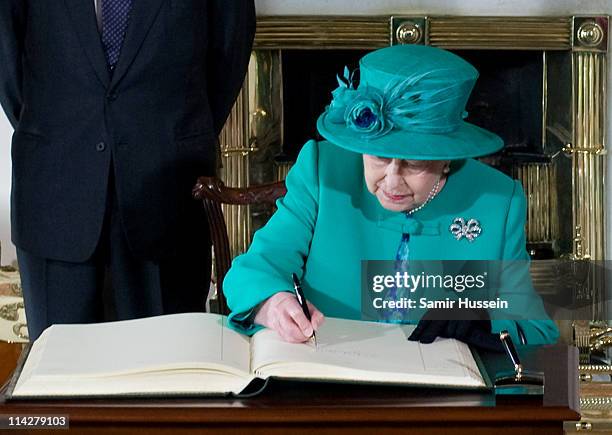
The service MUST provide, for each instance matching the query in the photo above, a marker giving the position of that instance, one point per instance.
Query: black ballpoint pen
(299, 294)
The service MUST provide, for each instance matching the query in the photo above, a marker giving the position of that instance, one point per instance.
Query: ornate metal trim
(591, 33)
(505, 33)
(235, 172)
(588, 153)
(328, 32)
(596, 409)
(408, 30)
(539, 181)
(333, 32)
(594, 369)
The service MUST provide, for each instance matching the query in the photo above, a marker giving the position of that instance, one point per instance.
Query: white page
(143, 344)
(373, 347)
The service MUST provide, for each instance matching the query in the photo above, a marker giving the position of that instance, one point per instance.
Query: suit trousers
(115, 285)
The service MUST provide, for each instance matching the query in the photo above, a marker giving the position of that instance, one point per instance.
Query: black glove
(470, 326)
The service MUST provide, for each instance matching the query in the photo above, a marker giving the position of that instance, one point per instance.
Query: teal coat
(328, 222)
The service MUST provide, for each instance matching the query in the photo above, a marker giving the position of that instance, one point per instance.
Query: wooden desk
(298, 408)
(9, 354)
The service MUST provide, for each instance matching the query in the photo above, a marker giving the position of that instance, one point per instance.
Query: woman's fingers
(283, 313)
(294, 310)
(293, 324)
(290, 331)
(316, 316)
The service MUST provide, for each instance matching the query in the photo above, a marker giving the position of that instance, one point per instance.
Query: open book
(197, 353)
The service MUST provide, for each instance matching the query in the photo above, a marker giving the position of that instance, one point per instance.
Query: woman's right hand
(283, 313)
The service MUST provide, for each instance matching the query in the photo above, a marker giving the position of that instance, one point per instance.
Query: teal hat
(410, 104)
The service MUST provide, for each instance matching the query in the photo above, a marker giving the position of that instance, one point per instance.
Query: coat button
(111, 97)
(100, 147)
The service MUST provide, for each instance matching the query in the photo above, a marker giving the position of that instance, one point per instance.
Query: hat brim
(467, 141)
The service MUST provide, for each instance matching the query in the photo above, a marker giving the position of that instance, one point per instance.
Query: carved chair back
(212, 192)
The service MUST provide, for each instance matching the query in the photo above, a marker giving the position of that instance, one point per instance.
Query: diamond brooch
(470, 229)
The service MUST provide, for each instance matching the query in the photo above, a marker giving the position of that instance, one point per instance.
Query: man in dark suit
(116, 105)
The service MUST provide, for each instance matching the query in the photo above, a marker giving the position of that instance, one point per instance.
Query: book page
(366, 351)
(178, 341)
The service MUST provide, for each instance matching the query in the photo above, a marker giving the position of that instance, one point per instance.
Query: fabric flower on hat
(405, 104)
(366, 114)
(342, 96)
(361, 109)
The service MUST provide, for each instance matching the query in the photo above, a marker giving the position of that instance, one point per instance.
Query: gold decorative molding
(588, 154)
(587, 151)
(594, 369)
(570, 149)
(235, 148)
(408, 30)
(326, 32)
(501, 33)
(539, 181)
(591, 33)
(266, 106)
(409, 33)
(335, 32)
(596, 403)
(577, 426)
(596, 406)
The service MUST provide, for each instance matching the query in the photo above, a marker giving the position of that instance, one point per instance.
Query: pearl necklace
(432, 193)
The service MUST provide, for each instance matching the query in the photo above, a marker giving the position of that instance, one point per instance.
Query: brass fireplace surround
(566, 197)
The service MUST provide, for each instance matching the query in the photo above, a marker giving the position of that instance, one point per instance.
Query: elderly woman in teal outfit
(395, 179)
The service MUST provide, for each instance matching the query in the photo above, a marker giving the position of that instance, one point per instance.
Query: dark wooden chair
(212, 192)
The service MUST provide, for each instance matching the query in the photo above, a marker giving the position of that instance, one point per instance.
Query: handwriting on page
(345, 352)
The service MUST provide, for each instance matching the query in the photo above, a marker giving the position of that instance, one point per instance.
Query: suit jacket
(154, 121)
(328, 222)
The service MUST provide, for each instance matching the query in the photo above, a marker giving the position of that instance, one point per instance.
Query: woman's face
(401, 185)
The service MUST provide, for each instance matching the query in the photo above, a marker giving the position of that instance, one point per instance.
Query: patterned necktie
(115, 17)
(399, 315)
